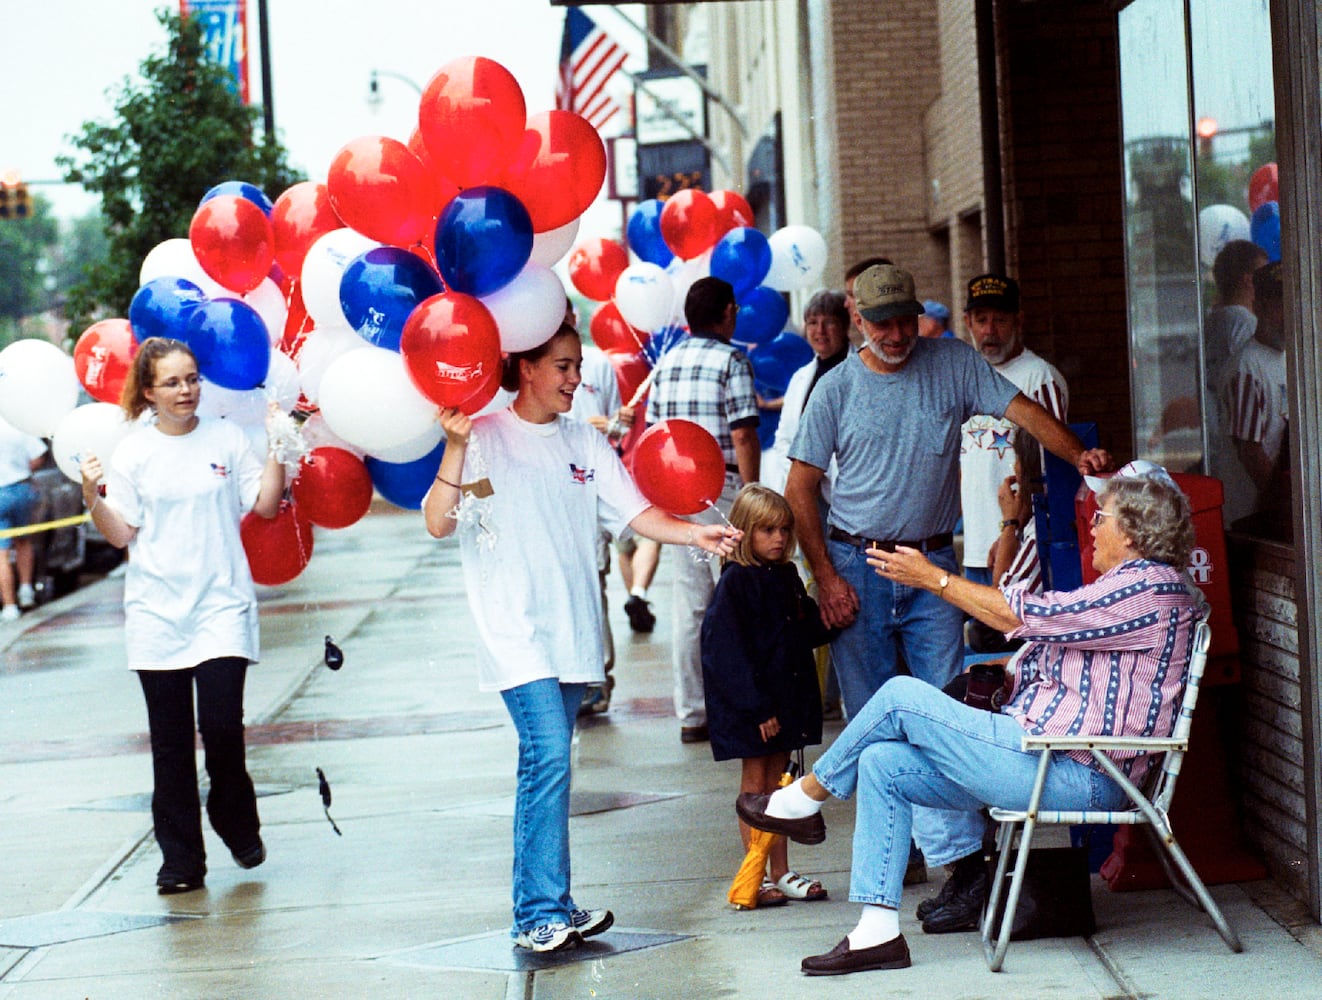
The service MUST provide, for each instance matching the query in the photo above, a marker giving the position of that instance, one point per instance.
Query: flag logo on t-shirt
(220, 470)
(581, 476)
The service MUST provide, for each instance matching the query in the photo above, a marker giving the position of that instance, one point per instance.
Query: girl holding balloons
(527, 490)
(176, 490)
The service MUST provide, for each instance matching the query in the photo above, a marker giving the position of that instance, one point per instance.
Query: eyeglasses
(1098, 514)
(175, 384)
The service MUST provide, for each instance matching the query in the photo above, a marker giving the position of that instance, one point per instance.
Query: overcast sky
(60, 58)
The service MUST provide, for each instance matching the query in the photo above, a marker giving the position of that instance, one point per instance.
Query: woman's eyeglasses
(1098, 514)
(175, 384)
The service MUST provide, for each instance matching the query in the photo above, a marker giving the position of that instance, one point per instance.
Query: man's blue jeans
(543, 712)
(913, 745)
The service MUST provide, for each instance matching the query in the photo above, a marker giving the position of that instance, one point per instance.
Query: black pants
(175, 807)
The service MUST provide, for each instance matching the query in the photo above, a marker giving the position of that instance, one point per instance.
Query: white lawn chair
(1152, 813)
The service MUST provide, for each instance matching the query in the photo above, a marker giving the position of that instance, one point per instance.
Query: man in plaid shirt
(707, 381)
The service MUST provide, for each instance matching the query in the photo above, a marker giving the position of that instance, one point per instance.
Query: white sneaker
(26, 596)
(549, 937)
(10, 613)
(591, 922)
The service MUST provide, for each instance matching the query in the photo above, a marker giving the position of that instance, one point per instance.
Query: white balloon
(323, 345)
(257, 438)
(645, 296)
(798, 258)
(244, 407)
(1217, 226)
(529, 309)
(324, 266)
(38, 386)
(93, 429)
(282, 381)
(410, 451)
(369, 400)
(683, 273)
(317, 435)
(499, 401)
(269, 303)
(174, 258)
(550, 246)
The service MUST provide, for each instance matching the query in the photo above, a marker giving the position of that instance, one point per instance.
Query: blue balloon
(661, 341)
(244, 190)
(483, 239)
(405, 483)
(1265, 229)
(644, 234)
(763, 313)
(743, 258)
(161, 308)
(380, 288)
(774, 363)
(231, 344)
(767, 422)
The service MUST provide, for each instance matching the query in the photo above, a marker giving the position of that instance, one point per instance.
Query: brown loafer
(752, 809)
(842, 960)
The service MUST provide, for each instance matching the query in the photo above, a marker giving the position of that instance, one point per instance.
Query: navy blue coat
(758, 638)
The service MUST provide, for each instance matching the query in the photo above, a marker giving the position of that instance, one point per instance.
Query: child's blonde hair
(759, 506)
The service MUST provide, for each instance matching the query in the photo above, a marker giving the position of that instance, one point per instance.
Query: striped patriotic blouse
(1107, 659)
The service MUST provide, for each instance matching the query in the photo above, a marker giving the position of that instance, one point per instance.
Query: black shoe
(167, 885)
(752, 809)
(252, 857)
(962, 911)
(929, 906)
(640, 614)
(693, 734)
(842, 959)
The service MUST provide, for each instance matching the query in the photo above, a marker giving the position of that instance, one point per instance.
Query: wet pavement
(411, 899)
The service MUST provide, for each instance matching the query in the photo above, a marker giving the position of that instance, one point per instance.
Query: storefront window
(1199, 159)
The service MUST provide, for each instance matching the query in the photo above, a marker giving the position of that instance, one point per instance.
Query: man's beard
(888, 358)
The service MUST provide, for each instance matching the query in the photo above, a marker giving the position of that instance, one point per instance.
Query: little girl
(760, 678)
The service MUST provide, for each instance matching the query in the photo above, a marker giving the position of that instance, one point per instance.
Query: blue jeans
(891, 618)
(979, 574)
(543, 712)
(913, 745)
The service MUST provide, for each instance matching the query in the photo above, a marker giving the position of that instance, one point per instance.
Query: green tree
(25, 253)
(178, 131)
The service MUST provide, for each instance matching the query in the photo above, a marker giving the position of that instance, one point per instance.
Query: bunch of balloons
(370, 299)
(1219, 224)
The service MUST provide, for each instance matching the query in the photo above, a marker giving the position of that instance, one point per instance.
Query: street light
(374, 86)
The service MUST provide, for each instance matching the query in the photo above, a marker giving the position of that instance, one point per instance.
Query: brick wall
(1060, 121)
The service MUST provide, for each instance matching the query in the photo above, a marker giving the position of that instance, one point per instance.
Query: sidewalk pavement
(412, 900)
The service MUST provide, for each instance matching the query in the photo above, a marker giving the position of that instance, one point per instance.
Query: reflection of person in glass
(1229, 326)
(1259, 422)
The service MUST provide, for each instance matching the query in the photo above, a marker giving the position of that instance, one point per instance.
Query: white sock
(639, 592)
(876, 925)
(792, 802)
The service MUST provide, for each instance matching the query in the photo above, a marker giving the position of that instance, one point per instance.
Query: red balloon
(450, 347)
(279, 549)
(689, 223)
(595, 266)
(1264, 186)
(297, 322)
(611, 332)
(679, 466)
(732, 211)
(382, 190)
(102, 358)
(333, 488)
(483, 396)
(299, 217)
(558, 170)
(233, 241)
(471, 117)
(446, 189)
(630, 372)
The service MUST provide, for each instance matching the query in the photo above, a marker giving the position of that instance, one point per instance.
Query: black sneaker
(640, 614)
(962, 911)
(929, 906)
(252, 857)
(169, 885)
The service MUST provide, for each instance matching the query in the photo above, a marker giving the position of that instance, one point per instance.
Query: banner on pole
(225, 36)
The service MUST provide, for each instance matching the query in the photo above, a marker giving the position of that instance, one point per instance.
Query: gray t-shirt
(896, 437)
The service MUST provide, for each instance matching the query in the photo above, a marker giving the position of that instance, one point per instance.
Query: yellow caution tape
(33, 529)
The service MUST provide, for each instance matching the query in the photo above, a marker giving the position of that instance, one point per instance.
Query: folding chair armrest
(1145, 743)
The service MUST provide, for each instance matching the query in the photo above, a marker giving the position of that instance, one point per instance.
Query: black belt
(941, 541)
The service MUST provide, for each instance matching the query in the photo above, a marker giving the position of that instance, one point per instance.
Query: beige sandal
(769, 894)
(795, 886)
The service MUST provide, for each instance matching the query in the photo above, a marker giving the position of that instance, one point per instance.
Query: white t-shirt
(598, 395)
(530, 549)
(1258, 401)
(986, 453)
(17, 450)
(188, 592)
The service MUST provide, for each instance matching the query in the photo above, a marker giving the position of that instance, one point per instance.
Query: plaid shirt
(1108, 659)
(704, 379)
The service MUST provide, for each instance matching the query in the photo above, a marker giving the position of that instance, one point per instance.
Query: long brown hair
(142, 373)
(759, 506)
(509, 376)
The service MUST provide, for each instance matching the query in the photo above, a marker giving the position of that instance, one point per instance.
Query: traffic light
(14, 203)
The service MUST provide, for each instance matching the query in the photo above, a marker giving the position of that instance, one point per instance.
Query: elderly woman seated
(1109, 658)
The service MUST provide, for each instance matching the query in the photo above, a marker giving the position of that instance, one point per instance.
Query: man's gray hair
(1155, 516)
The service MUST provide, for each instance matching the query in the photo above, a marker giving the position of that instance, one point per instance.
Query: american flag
(588, 59)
